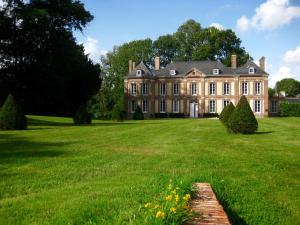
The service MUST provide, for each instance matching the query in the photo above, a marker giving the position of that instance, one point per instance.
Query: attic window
(172, 72)
(216, 71)
(139, 73)
(251, 70)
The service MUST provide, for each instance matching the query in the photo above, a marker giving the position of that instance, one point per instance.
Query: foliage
(289, 109)
(176, 115)
(226, 113)
(82, 116)
(118, 113)
(210, 115)
(290, 86)
(12, 116)
(172, 206)
(242, 119)
(271, 92)
(138, 114)
(160, 115)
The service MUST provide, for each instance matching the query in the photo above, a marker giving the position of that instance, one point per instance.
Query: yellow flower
(170, 187)
(187, 197)
(173, 210)
(177, 198)
(160, 214)
(147, 205)
(168, 197)
(156, 206)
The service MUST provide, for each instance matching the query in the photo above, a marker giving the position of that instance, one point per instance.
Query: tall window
(133, 106)
(212, 106)
(163, 88)
(212, 88)
(226, 88)
(274, 106)
(226, 103)
(162, 106)
(257, 106)
(194, 88)
(176, 89)
(244, 88)
(145, 89)
(176, 106)
(145, 106)
(133, 89)
(257, 87)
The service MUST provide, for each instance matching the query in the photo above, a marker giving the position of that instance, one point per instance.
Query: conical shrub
(226, 113)
(12, 116)
(138, 114)
(242, 120)
(82, 116)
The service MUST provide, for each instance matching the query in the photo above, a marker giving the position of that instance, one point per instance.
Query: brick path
(206, 204)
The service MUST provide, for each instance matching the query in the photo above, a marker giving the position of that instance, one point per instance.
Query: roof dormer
(172, 72)
(216, 71)
(251, 70)
(138, 73)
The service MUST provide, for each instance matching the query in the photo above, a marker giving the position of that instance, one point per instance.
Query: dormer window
(216, 71)
(139, 73)
(172, 72)
(251, 70)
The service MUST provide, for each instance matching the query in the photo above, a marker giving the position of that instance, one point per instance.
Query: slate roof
(183, 67)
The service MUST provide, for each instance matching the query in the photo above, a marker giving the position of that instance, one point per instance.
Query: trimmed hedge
(82, 116)
(176, 115)
(226, 113)
(242, 120)
(138, 114)
(160, 115)
(12, 116)
(210, 115)
(289, 109)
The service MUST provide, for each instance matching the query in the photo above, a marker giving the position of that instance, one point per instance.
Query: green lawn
(57, 173)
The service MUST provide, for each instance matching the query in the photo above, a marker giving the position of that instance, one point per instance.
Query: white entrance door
(194, 110)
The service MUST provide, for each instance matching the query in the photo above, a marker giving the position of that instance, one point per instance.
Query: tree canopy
(290, 86)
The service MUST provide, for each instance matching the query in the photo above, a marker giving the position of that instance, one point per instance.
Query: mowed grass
(57, 173)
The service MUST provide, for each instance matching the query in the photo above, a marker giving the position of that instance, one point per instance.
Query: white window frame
(163, 88)
(226, 88)
(145, 106)
(138, 73)
(194, 88)
(133, 89)
(257, 106)
(145, 89)
(175, 106)
(133, 106)
(172, 72)
(212, 88)
(251, 70)
(176, 88)
(257, 88)
(216, 71)
(162, 106)
(244, 88)
(226, 102)
(274, 106)
(212, 106)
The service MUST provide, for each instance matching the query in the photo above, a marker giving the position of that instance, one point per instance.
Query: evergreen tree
(138, 114)
(226, 113)
(242, 120)
(12, 116)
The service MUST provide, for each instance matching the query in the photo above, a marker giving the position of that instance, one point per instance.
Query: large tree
(290, 86)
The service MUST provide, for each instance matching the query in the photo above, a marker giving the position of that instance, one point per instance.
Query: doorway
(194, 108)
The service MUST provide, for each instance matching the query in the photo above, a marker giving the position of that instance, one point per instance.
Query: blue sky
(269, 28)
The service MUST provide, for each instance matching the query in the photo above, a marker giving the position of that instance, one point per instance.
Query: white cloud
(217, 25)
(283, 72)
(92, 48)
(292, 56)
(270, 15)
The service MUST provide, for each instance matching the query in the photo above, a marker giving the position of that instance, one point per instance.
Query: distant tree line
(290, 86)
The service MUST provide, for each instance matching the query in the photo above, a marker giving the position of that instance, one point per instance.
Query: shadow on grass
(264, 132)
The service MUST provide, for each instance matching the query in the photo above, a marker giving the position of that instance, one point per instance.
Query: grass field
(57, 173)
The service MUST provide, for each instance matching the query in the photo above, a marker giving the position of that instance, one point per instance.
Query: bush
(226, 113)
(12, 116)
(242, 120)
(118, 114)
(210, 115)
(176, 115)
(138, 114)
(289, 109)
(160, 115)
(82, 116)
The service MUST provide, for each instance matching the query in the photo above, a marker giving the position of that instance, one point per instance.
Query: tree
(12, 116)
(226, 113)
(242, 120)
(271, 92)
(82, 116)
(290, 86)
(166, 47)
(138, 114)
(118, 113)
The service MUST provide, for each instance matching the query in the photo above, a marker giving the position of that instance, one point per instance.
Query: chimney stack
(157, 63)
(130, 66)
(233, 61)
(262, 63)
(133, 65)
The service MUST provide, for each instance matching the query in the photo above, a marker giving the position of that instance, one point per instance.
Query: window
(133, 89)
(172, 72)
(138, 73)
(133, 106)
(226, 88)
(145, 88)
(212, 106)
(274, 106)
(244, 88)
(251, 70)
(257, 106)
(212, 88)
(162, 106)
(175, 106)
(163, 88)
(194, 89)
(175, 89)
(257, 87)
(226, 103)
(145, 106)
(215, 71)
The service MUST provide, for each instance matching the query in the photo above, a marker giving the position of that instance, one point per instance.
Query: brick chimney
(133, 65)
(130, 66)
(233, 61)
(157, 63)
(262, 63)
